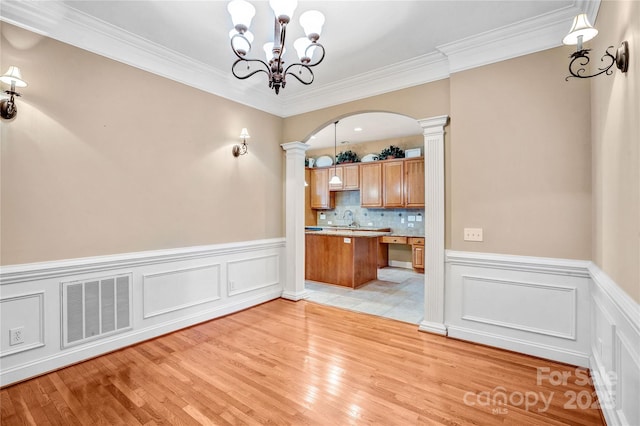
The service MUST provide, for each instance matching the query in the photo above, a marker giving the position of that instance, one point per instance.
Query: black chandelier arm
(581, 59)
(244, 77)
(305, 66)
(306, 80)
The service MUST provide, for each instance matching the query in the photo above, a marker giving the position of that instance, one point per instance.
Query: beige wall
(371, 147)
(104, 158)
(615, 119)
(517, 151)
(520, 160)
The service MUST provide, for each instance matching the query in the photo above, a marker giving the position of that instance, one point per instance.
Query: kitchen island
(344, 257)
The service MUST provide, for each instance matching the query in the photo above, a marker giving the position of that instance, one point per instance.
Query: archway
(433, 134)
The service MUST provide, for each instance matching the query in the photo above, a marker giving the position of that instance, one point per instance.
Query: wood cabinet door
(351, 177)
(393, 183)
(320, 196)
(414, 182)
(418, 257)
(371, 185)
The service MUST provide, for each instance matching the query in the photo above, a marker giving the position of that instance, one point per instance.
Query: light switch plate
(473, 234)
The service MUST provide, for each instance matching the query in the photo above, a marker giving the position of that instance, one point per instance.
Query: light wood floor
(302, 363)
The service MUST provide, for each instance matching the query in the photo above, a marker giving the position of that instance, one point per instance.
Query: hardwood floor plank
(303, 364)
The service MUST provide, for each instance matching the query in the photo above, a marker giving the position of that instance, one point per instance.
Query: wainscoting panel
(24, 312)
(615, 349)
(531, 305)
(169, 290)
(246, 275)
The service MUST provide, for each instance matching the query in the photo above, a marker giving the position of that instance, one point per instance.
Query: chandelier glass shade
(310, 52)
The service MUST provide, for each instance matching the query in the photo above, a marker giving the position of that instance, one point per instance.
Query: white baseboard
(170, 290)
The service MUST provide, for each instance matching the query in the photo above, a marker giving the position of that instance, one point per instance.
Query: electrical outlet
(16, 336)
(473, 234)
(329, 222)
(410, 225)
(411, 218)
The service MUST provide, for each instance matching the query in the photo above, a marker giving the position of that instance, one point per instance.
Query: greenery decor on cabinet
(347, 157)
(391, 152)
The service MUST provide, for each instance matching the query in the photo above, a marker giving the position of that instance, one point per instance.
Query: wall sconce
(13, 77)
(239, 150)
(581, 32)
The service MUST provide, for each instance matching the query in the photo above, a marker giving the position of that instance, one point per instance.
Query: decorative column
(294, 220)
(433, 131)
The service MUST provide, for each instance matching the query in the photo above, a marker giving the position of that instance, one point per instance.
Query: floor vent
(95, 308)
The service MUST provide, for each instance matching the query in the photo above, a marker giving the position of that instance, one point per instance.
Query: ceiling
(372, 47)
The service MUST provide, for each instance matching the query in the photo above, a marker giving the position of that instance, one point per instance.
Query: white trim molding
(433, 131)
(615, 349)
(62, 22)
(538, 306)
(559, 309)
(294, 219)
(170, 289)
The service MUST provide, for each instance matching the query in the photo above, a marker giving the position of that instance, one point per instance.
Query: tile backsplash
(396, 219)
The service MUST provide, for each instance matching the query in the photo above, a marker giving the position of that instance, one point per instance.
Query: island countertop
(338, 231)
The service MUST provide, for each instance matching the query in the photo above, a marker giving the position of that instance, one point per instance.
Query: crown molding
(68, 25)
(61, 22)
(413, 72)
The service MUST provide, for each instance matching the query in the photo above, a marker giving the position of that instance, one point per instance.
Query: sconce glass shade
(335, 180)
(580, 27)
(283, 9)
(13, 76)
(244, 134)
(242, 12)
(312, 22)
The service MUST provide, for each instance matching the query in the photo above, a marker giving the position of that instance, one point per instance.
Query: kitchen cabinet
(393, 183)
(320, 196)
(417, 248)
(414, 182)
(349, 175)
(371, 184)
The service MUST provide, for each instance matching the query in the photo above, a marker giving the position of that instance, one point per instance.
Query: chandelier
(242, 12)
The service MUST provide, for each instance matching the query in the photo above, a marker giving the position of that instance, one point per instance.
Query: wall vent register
(96, 308)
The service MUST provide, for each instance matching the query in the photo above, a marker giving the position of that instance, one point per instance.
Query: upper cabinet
(395, 183)
(320, 197)
(349, 175)
(414, 182)
(371, 184)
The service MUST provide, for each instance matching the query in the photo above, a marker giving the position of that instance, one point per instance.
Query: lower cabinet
(417, 249)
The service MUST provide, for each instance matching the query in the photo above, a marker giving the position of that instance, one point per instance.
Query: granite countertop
(343, 231)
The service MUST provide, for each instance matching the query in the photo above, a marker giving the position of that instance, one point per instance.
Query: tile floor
(398, 293)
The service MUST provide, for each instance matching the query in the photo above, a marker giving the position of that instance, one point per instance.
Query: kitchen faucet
(350, 220)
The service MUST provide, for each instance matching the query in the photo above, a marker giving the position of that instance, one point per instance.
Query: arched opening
(395, 288)
(432, 131)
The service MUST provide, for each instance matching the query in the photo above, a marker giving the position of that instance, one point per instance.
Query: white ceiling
(372, 46)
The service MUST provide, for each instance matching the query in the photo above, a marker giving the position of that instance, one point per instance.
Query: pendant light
(335, 180)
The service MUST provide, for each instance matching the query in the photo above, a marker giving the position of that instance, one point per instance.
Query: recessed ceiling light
(357, 129)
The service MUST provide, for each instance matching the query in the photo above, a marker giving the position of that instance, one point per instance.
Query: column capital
(295, 146)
